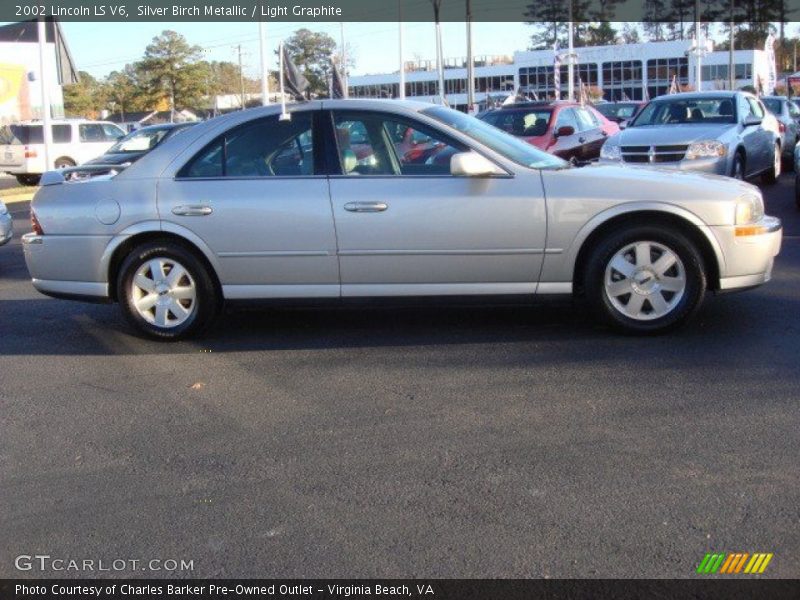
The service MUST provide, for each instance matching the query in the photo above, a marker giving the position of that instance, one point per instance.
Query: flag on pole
(772, 70)
(646, 94)
(673, 87)
(292, 80)
(337, 86)
(625, 97)
(581, 93)
(557, 71)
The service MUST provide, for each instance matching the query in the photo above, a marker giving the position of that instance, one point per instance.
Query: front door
(258, 199)
(406, 226)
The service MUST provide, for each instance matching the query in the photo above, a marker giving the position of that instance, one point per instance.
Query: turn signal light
(36, 226)
(744, 230)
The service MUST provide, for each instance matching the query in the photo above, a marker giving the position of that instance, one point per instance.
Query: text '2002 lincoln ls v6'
(338, 202)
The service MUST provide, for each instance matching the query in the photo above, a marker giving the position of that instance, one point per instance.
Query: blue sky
(103, 47)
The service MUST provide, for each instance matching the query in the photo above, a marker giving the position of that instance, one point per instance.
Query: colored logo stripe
(733, 562)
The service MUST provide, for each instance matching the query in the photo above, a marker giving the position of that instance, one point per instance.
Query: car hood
(658, 135)
(115, 159)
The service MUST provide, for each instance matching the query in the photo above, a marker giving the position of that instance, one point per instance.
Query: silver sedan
(6, 225)
(726, 133)
(336, 200)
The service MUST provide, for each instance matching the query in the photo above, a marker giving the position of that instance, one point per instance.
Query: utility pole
(264, 71)
(571, 58)
(470, 62)
(731, 64)
(47, 129)
(241, 72)
(437, 4)
(402, 85)
(344, 62)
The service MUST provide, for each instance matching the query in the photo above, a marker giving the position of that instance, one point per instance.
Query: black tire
(204, 306)
(64, 162)
(771, 175)
(797, 190)
(28, 179)
(684, 306)
(737, 169)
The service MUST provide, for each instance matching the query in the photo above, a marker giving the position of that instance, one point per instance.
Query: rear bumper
(6, 229)
(749, 258)
(58, 266)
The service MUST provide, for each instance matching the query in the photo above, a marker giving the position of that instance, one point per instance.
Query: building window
(662, 70)
(622, 80)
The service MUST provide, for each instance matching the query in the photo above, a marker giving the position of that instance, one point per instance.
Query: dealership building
(621, 71)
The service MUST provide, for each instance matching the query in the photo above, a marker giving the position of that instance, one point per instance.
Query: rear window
(33, 134)
(773, 105)
(528, 123)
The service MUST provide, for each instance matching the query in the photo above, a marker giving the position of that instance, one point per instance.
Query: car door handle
(192, 210)
(582, 140)
(366, 206)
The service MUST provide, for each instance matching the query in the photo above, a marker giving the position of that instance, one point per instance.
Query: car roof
(161, 126)
(700, 95)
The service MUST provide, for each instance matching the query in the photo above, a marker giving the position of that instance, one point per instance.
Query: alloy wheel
(645, 280)
(163, 292)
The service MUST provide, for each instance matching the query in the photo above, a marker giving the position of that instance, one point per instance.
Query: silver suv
(727, 133)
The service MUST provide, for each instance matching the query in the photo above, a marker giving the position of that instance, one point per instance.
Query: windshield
(142, 140)
(619, 111)
(687, 111)
(525, 123)
(773, 105)
(501, 142)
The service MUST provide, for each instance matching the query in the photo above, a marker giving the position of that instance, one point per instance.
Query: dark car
(620, 111)
(567, 129)
(138, 143)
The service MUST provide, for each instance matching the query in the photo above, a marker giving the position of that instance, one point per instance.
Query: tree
(313, 52)
(123, 90)
(85, 98)
(630, 34)
(170, 70)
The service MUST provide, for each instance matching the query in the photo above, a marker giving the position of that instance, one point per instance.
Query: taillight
(29, 153)
(781, 127)
(36, 227)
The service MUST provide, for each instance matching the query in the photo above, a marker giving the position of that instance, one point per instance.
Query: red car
(567, 129)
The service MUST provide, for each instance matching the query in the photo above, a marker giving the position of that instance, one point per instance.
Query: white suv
(74, 142)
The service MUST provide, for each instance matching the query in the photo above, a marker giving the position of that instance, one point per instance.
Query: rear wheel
(645, 279)
(166, 292)
(737, 171)
(771, 176)
(797, 189)
(28, 179)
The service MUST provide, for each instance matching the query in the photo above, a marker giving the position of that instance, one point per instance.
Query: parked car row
(75, 142)
(376, 198)
(726, 133)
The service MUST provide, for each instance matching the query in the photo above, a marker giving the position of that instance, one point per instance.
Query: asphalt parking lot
(426, 442)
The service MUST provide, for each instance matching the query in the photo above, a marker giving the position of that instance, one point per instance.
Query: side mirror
(565, 130)
(750, 120)
(472, 164)
(624, 124)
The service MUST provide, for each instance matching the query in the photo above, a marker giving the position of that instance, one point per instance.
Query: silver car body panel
(291, 237)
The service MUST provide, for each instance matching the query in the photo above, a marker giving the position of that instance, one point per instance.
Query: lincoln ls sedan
(263, 205)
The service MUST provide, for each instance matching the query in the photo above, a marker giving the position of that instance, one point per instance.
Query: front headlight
(609, 152)
(749, 209)
(3, 209)
(706, 149)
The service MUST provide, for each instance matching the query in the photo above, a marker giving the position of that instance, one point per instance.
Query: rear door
(258, 197)
(591, 135)
(566, 146)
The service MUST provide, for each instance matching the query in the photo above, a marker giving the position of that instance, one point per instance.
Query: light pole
(264, 71)
(470, 62)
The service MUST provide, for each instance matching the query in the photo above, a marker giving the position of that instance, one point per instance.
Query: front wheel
(28, 179)
(797, 190)
(644, 279)
(166, 292)
(772, 174)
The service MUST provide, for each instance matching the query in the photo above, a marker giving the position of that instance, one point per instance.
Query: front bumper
(749, 257)
(6, 228)
(715, 166)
